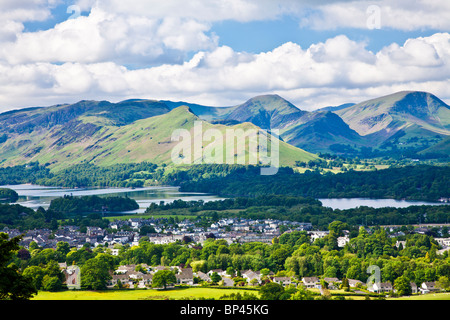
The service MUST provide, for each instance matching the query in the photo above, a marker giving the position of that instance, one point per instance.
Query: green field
(188, 293)
(429, 296)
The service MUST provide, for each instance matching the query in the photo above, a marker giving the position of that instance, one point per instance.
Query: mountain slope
(409, 120)
(92, 134)
(397, 111)
(267, 112)
(320, 132)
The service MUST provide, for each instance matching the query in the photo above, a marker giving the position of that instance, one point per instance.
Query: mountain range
(137, 130)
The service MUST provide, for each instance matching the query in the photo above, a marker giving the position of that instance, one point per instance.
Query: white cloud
(140, 49)
(395, 14)
(103, 36)
(336, 71)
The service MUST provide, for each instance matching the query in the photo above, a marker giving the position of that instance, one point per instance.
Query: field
(191, 293)
(140, 294)
(429, 296)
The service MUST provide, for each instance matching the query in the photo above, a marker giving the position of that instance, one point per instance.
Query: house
(342, 241)
(354, 283)
(250, 275)
(185, 277)
(284, 281)
(227, 282)
(220, 272)
(311, 282)
(444, 242)
(203, 276)
(115, 278)
(317, 235)
(333, 283)
(380, 287)
(398, 243)
(145, 281)
(427, 287)
(413, 287)
(126, 268)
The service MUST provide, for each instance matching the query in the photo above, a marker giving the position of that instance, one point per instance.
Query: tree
(403, 286)
(271, 291)
(36, 274)
(95, 274)
(51, 283)
(162, 278)
(13, 285)
(62, 248)
(215, 277)
(302, 294)
(443, 283)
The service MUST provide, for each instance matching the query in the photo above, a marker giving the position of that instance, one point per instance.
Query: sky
(314, 53)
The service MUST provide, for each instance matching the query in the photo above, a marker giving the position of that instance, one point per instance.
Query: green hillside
(398, 111)
(96, 138)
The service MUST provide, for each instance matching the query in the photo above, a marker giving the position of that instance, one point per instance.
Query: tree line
(420, 182)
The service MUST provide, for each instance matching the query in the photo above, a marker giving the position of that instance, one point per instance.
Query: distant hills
(408, 123)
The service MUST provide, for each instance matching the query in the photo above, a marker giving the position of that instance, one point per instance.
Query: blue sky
(217, 52)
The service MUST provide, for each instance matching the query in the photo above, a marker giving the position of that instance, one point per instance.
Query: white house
(380, 287)
(284, 281)
(311, 282)
(342, 241)
(427, 287)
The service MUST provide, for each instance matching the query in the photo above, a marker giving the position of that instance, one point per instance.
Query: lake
(33, 196)
(350, 203)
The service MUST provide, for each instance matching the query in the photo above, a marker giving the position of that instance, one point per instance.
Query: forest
(421, 182)
(71, 205)
(413, 182)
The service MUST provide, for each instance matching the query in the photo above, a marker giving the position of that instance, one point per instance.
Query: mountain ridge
(406, 120)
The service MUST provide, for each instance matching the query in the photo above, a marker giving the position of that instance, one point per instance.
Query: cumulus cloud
(104, 36)
(336, 71)
(165, 50)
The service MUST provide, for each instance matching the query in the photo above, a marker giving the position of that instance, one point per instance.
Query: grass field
(429, 296)
(140, 294)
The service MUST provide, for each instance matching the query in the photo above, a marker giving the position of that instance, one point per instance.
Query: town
(132, 232)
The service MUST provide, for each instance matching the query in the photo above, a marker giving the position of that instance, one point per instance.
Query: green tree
(35, 273)
(271, 291)
(403, 286)
(95, 274)
(162, 278)
(51, 283)
(443, 283)
(13, 285)
(215, 277)
(62, 248)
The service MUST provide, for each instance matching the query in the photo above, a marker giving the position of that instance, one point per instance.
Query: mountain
(407, 119)
(407, 123)
(104, 133)
(336, 108)
(322, 132)
(207, 113)
(398, 111)
(267, 112)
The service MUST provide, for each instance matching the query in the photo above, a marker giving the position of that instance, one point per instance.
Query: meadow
(144, 294)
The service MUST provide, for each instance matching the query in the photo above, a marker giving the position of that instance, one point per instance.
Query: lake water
(33, 196)
(350, 203)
